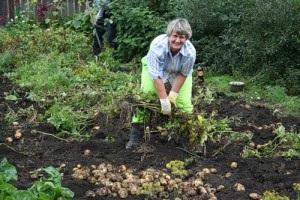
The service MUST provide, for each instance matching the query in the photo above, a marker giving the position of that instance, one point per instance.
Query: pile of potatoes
(122, 182)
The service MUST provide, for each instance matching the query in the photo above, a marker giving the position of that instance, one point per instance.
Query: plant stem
(52, 136)
(188, 152)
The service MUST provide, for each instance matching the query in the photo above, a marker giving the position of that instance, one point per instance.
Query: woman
(170, 59)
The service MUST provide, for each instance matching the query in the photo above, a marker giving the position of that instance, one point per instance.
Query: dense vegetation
(254, 39)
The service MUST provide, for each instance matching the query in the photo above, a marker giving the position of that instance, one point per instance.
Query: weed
(110, 139)
(11, 116)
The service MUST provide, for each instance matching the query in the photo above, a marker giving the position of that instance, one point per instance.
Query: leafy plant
(66, 119)
(48, 187)
(285, 144)
(198, 129)
(136, 27)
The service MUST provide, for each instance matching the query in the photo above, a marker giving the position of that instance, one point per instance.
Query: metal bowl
(237, 86)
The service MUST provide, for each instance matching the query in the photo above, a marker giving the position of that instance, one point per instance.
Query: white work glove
(173, 97)
(165, 106)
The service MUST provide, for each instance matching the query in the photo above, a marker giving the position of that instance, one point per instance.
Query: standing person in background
(103, 14)
(170, 60)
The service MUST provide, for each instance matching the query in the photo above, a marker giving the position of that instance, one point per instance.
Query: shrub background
(260, 39)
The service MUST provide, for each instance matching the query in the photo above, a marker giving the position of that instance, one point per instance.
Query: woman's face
(176, 42)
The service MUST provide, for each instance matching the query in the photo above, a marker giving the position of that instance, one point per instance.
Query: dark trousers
(101, 27)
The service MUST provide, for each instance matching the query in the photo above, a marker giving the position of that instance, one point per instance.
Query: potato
(213, 170)
(163, 181)
(233, 165)
(90, 193)
(238, 187)
(252, 144)
(228, 175)
(103, 191)
(206, 171)
(18, 134)
(9, 140)
(87, 152)
(254, 196)
(220, 188)
(33, 131)
(122, 168)
(16, 123)
(197, 183)
(123, 193)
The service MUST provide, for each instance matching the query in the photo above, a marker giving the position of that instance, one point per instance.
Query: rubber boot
(136, 135)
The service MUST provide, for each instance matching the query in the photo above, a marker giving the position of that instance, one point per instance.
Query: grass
(273, 97)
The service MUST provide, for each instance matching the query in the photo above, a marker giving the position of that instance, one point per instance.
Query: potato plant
(48, 187)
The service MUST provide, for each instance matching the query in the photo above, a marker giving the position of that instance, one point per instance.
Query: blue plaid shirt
(162, 64)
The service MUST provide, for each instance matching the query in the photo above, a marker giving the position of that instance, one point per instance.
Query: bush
(136, 26)
(253, 38)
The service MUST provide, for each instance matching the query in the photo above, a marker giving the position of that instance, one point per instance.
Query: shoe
(96, 50)
(136, 135)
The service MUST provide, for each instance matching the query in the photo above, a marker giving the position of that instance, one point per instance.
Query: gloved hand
(173, 97)
(165, 106)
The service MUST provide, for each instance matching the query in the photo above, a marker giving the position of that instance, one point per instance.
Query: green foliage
(255, 38)
(177, 168)
(296, 187)
(272, 195)
(198, 128)
(8, 171)
(65, 118)
(11, 116)
(273, 97)
(81, 22)
(136, 27)
(151, 189)
(48, 187)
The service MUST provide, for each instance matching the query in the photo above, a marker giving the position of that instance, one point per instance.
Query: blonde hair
(180, 26)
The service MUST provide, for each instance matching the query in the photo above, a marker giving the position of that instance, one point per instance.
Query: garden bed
(38, 147)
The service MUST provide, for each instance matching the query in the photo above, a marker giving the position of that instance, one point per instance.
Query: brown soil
(33, 151)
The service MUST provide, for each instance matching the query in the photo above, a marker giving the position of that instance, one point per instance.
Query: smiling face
(176, 41)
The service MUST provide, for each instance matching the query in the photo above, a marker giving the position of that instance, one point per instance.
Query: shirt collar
(182, 50)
